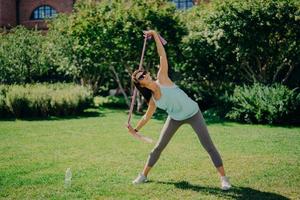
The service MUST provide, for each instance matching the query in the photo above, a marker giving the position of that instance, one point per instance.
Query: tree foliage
(233, 42)
(108, 37)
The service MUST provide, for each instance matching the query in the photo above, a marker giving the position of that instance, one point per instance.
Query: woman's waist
(182, 108)
(182, 115)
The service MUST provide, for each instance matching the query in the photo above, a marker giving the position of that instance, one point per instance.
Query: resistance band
(137, 134)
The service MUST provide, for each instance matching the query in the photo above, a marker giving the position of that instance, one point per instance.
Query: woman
(181, 109)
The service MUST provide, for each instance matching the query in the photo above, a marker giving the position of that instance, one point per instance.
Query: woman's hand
(149, 33)
(130, 129)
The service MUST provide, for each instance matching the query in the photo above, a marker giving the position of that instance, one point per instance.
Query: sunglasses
(142, 76)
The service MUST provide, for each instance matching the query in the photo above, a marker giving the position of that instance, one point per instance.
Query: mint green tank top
(176, 102)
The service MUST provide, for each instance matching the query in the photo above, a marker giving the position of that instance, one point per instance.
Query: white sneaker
(140, 179)
(225, 184)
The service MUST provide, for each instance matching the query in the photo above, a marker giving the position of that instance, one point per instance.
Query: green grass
(263, 162)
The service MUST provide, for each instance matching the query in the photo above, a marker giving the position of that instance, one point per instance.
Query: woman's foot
(140, 179)
(225, 184)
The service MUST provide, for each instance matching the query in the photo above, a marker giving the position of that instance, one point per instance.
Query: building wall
(8, 13)
(14, 12)
(26, 7)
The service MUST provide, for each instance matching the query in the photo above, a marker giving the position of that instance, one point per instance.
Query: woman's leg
(199, 126)
(168, 130)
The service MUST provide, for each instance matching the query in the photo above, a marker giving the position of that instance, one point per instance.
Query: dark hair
(145, 92)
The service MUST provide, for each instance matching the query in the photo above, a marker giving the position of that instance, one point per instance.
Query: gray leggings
(171, 126)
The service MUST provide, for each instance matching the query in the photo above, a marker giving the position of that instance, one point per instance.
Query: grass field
(263, 162)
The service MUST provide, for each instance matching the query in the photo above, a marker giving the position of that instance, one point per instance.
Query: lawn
(263, 162)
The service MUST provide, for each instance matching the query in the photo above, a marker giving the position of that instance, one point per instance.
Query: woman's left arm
(163, 61)
(162, 74)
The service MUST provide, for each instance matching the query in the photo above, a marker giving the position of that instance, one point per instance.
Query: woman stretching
(181, 109)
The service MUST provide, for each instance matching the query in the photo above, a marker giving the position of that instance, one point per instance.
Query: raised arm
(162, 74)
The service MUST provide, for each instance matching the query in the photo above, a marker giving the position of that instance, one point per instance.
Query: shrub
(70, 103)
(3, 107)
(20, 56)
(264, 104)
(41, 100)
(112, 102)
(28, 56)
(17, 101)
(235, 42)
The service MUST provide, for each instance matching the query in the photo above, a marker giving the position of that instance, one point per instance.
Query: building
(32, 13)
(186, 4)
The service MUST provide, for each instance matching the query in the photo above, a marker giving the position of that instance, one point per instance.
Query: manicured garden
(65, 96)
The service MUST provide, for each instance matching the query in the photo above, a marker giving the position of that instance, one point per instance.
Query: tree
(234, 42)
(108, 38)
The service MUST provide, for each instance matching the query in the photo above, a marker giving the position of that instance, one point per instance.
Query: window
(183, 4)
(43, 12)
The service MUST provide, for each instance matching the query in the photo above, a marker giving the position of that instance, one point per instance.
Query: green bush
(17, 101)
(3, 107)
(20, 56)
(235, 42)
(28, 56)
(42, 100)
(111, 102)
(70, 103)
(264, 104)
